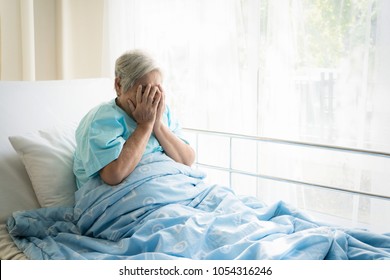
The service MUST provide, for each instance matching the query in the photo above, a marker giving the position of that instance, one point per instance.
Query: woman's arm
(173, 146)
(129, 157)
(144, 113)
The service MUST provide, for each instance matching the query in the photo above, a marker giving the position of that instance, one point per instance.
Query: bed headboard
(30, 106)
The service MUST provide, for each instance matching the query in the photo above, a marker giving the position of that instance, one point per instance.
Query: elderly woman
(112, 138)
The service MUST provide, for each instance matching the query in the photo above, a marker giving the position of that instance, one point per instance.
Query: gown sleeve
(102, 142)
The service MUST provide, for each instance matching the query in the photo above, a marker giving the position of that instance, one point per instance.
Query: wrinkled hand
(145, 109)
(160, 109)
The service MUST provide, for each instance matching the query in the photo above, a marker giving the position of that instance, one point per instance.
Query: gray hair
(131, 66)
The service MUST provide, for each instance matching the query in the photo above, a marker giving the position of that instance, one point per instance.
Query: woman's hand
(146, 107)
(173, 146)
(160, 110)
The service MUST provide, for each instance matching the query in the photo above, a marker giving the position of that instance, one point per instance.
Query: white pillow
(48, 158)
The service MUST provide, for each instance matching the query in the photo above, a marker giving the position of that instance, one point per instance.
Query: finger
(163, 96)
(157, 99)
(146, 93)
(162, 104)
(160, 88)
(162, 93)
(162, 101)
(131, 105)
(152, 94)
(138, 97)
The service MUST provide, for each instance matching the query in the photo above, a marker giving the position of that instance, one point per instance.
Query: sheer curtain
(209, 50)
(324, 79)
(306, 70)
(311, 71)
(326, 59)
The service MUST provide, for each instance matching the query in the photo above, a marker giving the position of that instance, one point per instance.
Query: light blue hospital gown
(100, 137)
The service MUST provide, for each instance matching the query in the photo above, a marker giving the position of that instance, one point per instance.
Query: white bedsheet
(8, 249)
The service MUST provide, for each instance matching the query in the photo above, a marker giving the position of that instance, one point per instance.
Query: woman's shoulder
(100, 113)
(105, 109)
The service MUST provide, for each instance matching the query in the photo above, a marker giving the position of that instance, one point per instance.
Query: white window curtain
(324, 79)
(311, 71)
(327, 61)
(209, 50)
(48, 40)
(305, 70)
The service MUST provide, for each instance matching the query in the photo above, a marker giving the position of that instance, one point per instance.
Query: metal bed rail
(231, 170)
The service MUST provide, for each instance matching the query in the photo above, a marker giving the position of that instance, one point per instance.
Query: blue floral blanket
(164, 210)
